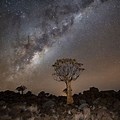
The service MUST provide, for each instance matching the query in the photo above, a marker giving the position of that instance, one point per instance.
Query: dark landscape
(92, 104)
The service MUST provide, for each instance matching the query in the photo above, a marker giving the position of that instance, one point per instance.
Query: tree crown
(67, 69)
(21, 88)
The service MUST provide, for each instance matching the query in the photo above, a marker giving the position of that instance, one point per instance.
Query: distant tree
(67, 70)
(21, 89)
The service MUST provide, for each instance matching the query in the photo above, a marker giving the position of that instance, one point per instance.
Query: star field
(34, 33)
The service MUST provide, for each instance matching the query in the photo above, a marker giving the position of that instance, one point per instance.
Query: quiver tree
(67, 70)
(21, 89)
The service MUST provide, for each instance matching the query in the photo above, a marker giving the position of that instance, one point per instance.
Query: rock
(49, 104)
(86, 113)
(82, 106)
(79, 116)
(82, 101)
(32, 108)
(102, 114)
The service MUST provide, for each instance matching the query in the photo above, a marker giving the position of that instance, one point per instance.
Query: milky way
(33, 33)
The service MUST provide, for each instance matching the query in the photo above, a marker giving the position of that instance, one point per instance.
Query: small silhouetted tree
(67, 70)
(21, 89)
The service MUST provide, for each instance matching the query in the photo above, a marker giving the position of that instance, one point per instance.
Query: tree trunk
(22, 92)
(69, 93)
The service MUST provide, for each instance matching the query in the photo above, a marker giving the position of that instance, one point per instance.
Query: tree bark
(69, 93)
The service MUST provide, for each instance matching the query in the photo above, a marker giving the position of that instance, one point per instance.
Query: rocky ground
(91, 105)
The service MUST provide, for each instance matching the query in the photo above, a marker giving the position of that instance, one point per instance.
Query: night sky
(34, 33)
